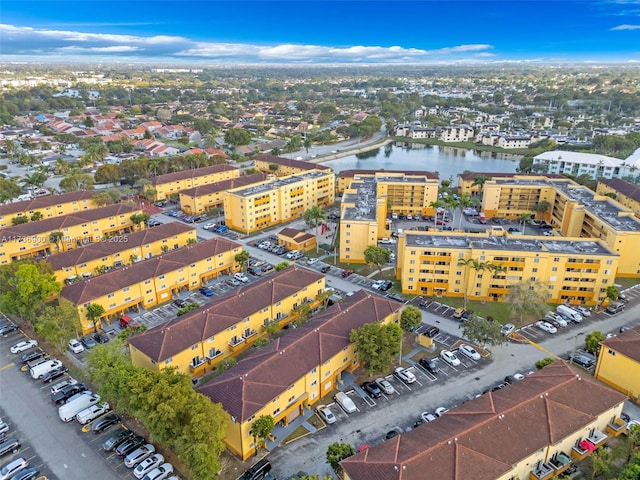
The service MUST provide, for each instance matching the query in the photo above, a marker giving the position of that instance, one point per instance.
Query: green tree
(337, 452)
(19, 220)
(107, 197)
(314, 217)
(8, 190)
(307, 144)
(34, 180)
(27, 292)
(480, 180)
(376, 345)
(242, 258)
(524, 219)
(204, 126)
(483, 332)
(56, 238)
(540, 364)
(77, 181)
(601, 462)
(592, 341)
(237, 137)
(281, 266)
(465, 201)
(261, 428)
(94, 312)
(633, 440)
(36, 216)
(542, 207)
(436, 204)
(613, 292)
(528, 297)
(58, 324)
(410, 318)
(109, 173)
(139, 219)
(377, 256)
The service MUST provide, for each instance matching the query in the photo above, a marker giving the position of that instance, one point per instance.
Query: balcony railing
(235, 343)
(616, 426)
(597, 437)
(560, 462)
(249, 334)
(542, 471)
(215, 354)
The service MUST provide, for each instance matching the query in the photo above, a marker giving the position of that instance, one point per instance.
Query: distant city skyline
(320, 32)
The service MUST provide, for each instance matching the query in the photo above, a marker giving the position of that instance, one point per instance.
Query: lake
(446, 161)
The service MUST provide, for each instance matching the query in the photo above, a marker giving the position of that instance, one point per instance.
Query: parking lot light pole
(575, 347)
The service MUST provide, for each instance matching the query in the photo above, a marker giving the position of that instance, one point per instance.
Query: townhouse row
(47, 207)
(163, 186)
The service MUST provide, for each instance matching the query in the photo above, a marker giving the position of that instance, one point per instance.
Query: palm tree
(56, 237)
(313, 217)
(36, 179)
(541, 207)
(524, 219)
(436, 204)
(452, 203)
(480, 180)
(307, 144)
(465, 201)
(10, 146)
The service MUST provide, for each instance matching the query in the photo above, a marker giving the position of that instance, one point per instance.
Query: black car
(393, 433)
(88, 342)
(395, 296)
(428, 364)
(29, 357)
(53, 374)
(325, 269)
(7, 328)
(582, 360)
(180, 303)
(116, 439)
(128, 446)
(67, 392)
(372, 389)
(105, 422)
(100, 338)
(386, 286)
(432, 332)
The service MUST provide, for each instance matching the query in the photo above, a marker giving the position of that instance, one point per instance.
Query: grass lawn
(498, 310)
(297, 433)
(626, 282)
(316, 422)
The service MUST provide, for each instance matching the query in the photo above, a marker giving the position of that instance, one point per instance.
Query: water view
(447, 161)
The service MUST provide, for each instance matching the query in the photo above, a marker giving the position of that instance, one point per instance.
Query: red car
(346, 273)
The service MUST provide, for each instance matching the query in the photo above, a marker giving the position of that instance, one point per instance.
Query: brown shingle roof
(169, 339)
(93, 251)
(473, 175)
(224, 185)
(482, 438)
(247, 387)
(288, 162)
(44, 202)
(88, 290)
(627, 343)
(351, 173)
(196, 172)
(296, 235)
(624, 188)
(58, 223)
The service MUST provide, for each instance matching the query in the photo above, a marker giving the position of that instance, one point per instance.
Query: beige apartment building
(197, 200)
(174, 183)
(47, 207)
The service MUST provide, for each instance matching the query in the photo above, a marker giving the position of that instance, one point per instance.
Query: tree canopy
(592, 341)
(376, 344)
(528, 297)
(25, 293)
(237, 137)
(483, 332)
(410, 318)
(337, 452)
(377, 256)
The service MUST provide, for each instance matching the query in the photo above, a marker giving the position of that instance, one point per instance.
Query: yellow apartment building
(77, 229)
(295, 371)
(197, 200)
(574, 210)
(114, 252)
(345, 177)
(625, 193)
(152, 281)
(575, 270)
(284, 167)
(197, 341)
(371, 198)
(472, 183)
(619, 363)
(262, 205)
(48, 207)
(174, 183)
(534, 429)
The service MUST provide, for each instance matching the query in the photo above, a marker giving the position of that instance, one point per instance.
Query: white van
(76, 404)
(345, 402)
(43, 368)
(569, 313)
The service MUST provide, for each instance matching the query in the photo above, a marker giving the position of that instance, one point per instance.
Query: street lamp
(575, 346)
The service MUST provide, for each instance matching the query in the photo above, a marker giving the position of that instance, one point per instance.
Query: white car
(585, 312)
(428, 417)
(326, 414)
(91, 413)
(206, 226)
(241, 277)
(385, 386)
(64, 383)
(138, 455)
(75, 346)
(312, 261)
(558, 318)
(160, 473)
(469, 351)
(405, 375)
(377, 284)
(450, 358)
(441, 411)
(546, 327)
(22, 346)
(507, 329)
(148, 464)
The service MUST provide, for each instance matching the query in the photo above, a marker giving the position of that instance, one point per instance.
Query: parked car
(582, 360)
(180, 303)
(345, 402)
(427, 417)
(393, 433)
(615, 307)
(11, 468)
(469, 351)
(516, 377)
(209, 226)
(429, 365)
(372, 389)
(54, 374)
(7, 328)
(405, 375)
(100, 338)
(67, 392)
(556, 318)
(116, 439)
(129, 445)
(28, 474)
(10, 445)
(585, 312)
(441, 411)
(385, 386)
(458, 312)
(450, 358)
(127, 322)
(221, 229)
(241, 277)
(91, 413)
(325, 268)
(64, 383)
(206, 291)
(258, 471)
(138, 455)
(88, 342)
(326, 414)
(147, 465)
(346, 273)
(553, 322)
(546, 327)
(161, 472)
(105, 422)
(507, 329)
(23, 346)
(31, 356)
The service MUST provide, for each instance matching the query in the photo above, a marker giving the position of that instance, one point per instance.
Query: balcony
(249, 334)
(597, 437)
(542, 471)
(236, 343)
(582, 449)
(560, 462)
(214, 354)
(616, 427)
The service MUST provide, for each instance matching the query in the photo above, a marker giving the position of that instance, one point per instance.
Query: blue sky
(326, 32)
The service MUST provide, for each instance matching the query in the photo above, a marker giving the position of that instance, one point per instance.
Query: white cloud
(112, 49)
(626, 27)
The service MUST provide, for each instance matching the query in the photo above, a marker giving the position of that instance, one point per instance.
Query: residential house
(578, 163)
(295, 371)
(196, 342)
(297, 240)
(619, 363)
(533, 429)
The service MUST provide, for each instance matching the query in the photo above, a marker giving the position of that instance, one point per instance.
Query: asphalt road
(35, 419)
